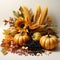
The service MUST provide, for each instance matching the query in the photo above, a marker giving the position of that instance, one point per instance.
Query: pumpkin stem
(48, 34)
(22, 33)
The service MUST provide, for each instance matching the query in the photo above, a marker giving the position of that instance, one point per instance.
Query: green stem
(48, 34)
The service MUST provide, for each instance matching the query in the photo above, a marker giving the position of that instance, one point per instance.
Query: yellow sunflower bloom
(20, 23)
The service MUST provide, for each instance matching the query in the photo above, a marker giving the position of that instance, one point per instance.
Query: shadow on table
(58, 48)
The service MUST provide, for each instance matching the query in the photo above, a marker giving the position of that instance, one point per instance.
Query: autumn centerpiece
(30, 33)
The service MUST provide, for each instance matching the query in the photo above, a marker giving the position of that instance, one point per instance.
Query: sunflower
(21, 24)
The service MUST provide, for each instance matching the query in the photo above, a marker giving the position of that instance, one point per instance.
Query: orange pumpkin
(12, 31)
(21, 38)
(49, 42)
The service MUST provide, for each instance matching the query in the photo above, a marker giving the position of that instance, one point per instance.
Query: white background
(6, 8)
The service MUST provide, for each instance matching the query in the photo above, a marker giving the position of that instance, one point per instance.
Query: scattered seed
(38, 54)
(48, 52)
(32, 54)
(23, 47)
(26, 48)
(26, 54)
(19, 51)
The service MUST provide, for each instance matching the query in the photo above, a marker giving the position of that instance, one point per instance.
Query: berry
(33, 45)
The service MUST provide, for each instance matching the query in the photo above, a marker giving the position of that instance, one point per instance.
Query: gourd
(49, 42)
(12, 31)
(36, 36)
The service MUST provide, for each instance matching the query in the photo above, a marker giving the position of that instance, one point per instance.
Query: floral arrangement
(30, 33)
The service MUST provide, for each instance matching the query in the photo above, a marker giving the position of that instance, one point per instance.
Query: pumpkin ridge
(55, 42)
(43, 41)
(18, 39)
(46, 43)
(49, 43)
(23, 39)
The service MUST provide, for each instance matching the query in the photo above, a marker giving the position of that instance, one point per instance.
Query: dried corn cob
(40, 22)
(34, 26)
(37, 14)
(43, 15)
(26, 13)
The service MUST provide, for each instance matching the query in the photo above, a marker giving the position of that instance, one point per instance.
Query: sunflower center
(22, 25)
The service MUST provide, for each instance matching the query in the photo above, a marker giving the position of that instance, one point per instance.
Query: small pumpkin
(20, 23)
(49, 42)
(36, 36)
(21, 38)
(12, 31)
